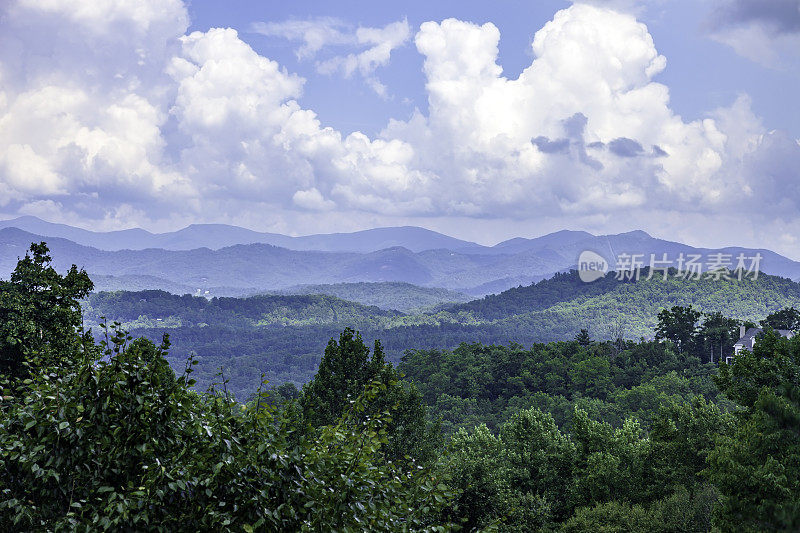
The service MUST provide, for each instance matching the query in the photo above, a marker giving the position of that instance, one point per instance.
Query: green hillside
(156, 308)
(282, 336)
(558, 308)
(403, 297)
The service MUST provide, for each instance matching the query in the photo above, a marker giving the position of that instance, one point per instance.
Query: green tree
(678, 325)
(118, 443)
(682, 435)
(517, 480)
(756, 468)
(677, 512)
(40, 315)
(541, 462)
(611, 464)
(716, 336)
(344, 372)
(477, 473)
(610, 517)
(591, 377)
(583, 338)
(786, 318)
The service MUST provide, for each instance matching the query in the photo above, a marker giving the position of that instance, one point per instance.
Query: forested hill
(562, 287)
(557, 308)
(283, 336)
(156, 308)
(577, 304)
(386, 295)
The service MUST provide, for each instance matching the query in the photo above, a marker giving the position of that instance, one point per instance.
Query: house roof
(752, 333)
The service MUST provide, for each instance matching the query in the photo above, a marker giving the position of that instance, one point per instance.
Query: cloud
(315, 34)
(550, 147)
(19, 163)
(312, 200)
(247, 138)
(635, 7)
(782, 16)
(83, 95)
(625, 147)
(380, 43)
(591, 82)
(132, 121)
(764, 31)
(658, 151)
(376, 45)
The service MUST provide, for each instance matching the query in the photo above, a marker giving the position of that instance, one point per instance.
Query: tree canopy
(580, 435)
(39, 314)
(113, 440)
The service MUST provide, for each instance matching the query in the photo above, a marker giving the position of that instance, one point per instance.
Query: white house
(747, 339)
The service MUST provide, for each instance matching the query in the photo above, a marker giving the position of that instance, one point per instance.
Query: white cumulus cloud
(590, 84)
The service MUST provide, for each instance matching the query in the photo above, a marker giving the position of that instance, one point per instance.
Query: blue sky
(702, 73)
(481, 120)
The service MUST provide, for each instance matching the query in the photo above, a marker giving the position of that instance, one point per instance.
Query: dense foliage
(282, 336)
(556, 309)
(155, 308)
(531, 476)
(757, 467)
(345, 370)
(480, 384)
(579, 435)
(116, 442)
(39, 313)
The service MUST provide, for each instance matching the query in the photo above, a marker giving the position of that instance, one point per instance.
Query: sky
(481, 120)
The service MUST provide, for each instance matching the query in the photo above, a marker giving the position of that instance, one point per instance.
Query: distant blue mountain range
(216, 236)
(230, 260)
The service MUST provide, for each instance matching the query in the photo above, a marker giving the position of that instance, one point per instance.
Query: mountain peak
(637, 234)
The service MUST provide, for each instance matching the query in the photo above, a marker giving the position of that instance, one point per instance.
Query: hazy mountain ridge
(242, 269)
(217, 236)
(266, 267)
